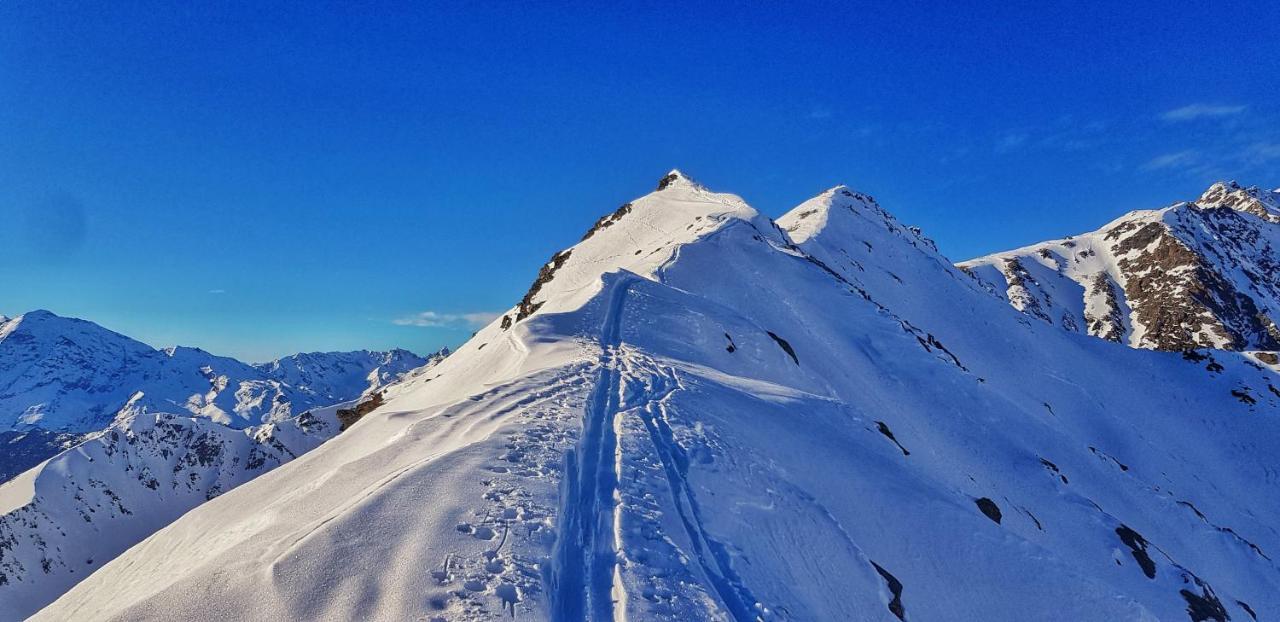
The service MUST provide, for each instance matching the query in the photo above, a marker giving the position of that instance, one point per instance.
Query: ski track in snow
(583, 565)
(713, 558)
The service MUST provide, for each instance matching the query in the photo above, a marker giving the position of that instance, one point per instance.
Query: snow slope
(1201, 274)
(63, 519)
(696, 414)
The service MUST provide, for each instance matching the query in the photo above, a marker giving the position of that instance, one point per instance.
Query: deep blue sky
(258, 179)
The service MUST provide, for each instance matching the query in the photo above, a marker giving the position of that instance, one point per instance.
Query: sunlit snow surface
(712, 418)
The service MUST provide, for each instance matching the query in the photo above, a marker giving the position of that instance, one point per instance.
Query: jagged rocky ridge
(707, 415)
(61, 378)
(1202, 274)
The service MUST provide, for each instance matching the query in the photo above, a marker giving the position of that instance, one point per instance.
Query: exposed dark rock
(989, 508)
(1243, 396)
(608, 219)
(1138, 545)
(1019, 281)
(1106, 456)
(1247, 609)
(786, 347)
(527, 306)
(1109, 324)
(884, 429)
(1202, 274)
(349, 416)
(895, 588)
(1205, 605)
(667, 180)
(1270, 358)
(1033, 519)
(1053, 467)
(1180, 296)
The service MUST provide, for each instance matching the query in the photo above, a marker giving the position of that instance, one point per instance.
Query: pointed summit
(807, 219)
(638, 237)
(676, 178)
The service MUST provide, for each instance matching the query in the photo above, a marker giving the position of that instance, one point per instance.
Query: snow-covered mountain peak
(638, 237)
(1191, 275)
(41, 320)
(676, 178)
(1251, 200)
(813, 216)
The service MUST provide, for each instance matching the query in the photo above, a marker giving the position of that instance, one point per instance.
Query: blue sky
(257, 179)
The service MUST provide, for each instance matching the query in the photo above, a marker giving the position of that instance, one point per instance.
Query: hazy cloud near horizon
(434, 319)
(1192, 112)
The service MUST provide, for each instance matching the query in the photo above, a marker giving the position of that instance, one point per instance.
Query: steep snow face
(62, 520)
(1202, 274)
(738, 428)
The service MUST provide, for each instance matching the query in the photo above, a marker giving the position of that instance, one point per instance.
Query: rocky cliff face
(1201, 274)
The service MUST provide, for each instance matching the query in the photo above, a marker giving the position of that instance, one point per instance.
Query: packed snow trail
(583, 566)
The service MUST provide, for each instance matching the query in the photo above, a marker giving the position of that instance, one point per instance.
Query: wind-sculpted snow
(704, 416)
(1192, 275)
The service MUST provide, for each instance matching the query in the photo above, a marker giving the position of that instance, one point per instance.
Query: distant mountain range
(61, 378)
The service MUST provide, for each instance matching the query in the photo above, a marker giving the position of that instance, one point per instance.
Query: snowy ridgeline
(1204, 274)
(697, 413)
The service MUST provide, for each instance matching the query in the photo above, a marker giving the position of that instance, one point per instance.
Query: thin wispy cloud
(1011, 142)
(820, 112)
(1192, 112)
(1262, 153)
(433, 319)
(217, 291)
(1177, 159)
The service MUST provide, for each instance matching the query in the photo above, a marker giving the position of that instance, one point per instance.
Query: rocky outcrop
(1202, 274)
